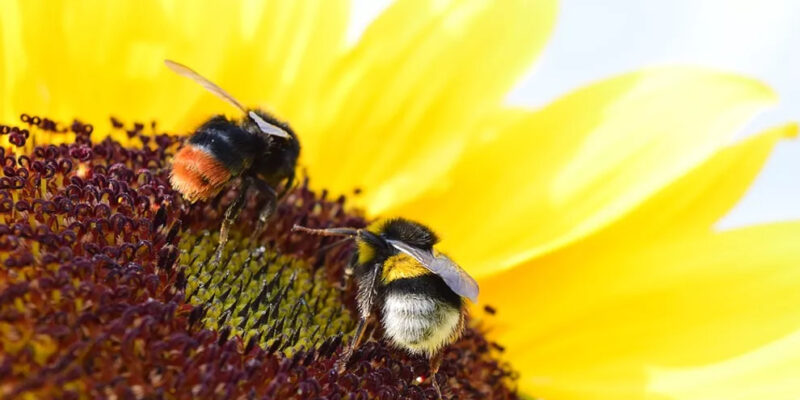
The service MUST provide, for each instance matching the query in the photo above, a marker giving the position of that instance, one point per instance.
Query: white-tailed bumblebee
(258, 148)
(418, 291)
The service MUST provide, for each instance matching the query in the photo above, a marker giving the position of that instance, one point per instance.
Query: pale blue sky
(596, 39)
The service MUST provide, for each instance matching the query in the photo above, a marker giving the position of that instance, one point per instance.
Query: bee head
(373, 241)
(278, 136)
(409, 232)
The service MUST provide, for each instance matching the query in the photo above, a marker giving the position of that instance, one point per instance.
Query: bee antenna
(334, 244)
(327, 232)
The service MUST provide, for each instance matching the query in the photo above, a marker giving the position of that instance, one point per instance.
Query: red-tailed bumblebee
(418, 291)
(258, 148)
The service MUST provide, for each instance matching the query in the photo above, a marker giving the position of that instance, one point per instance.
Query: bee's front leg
(267, 210)
(358, 338)
(367, 292)
(230, 216)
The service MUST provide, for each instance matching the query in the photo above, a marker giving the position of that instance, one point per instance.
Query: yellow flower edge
(647, 295)
(563, 172)
(594, 239)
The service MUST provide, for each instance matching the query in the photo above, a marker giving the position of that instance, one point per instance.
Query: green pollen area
(276, 300)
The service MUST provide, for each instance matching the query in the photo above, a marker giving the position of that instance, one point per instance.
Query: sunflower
(589, 223)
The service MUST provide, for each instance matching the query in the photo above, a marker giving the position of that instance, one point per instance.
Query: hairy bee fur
(258, 148)
(418, 292)
(420, 313)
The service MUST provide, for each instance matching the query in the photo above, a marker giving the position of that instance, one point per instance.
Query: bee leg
(435, 362)
(267, 210)
(230, 217)
(341, 364)
(367, 291)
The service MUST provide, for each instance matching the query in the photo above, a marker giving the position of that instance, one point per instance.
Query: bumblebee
(258, 148)
(418, 292)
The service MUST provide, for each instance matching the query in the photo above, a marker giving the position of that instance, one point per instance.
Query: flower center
(108, 287)
(276, 301)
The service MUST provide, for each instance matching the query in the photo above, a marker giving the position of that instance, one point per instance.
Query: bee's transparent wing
(183, 70)
(264, 126)
(454, 276)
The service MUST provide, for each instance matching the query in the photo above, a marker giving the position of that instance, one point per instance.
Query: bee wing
(266, 127)
(454, 276)
(185, 71)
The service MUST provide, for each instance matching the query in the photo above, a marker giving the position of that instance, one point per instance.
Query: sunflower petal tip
(787, 130)
(790, 130)
(764, 91)
(758, 88)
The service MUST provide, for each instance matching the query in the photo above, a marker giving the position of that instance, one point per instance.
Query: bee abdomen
(230, 145)
(419, 323)
(197, 174)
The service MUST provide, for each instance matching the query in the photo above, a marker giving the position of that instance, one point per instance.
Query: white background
(597, 39)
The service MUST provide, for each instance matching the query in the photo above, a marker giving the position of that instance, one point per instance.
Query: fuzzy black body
(231, 145)
(418, 311)
(259, 148)
(243, 150)
(412, 233)
(221, 150)
(373, 251)
(279, 155)
(417, 292)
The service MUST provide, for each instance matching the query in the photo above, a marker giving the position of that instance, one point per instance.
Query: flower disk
(107, 287)
(260, 295)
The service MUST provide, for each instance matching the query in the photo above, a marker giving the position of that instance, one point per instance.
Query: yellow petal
(598, 326)
(703, 196)
(399, 106)
(654, 291)
(767, 373)
(583, 162)
(90, 60)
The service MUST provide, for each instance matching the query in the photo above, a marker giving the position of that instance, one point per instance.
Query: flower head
(108, 289)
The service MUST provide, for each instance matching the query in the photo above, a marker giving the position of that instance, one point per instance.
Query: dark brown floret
(97, 300)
